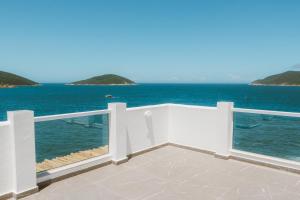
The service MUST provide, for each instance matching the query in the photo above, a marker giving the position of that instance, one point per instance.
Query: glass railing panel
(66, 141)
(270, 135)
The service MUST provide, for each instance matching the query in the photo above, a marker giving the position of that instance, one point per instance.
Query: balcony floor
(175, 173)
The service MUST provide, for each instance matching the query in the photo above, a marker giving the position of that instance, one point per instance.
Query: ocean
(275, 136)
(59, 98)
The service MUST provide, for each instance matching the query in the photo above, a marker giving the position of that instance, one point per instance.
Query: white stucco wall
(193, 126)
(5, 159)
(146, 127)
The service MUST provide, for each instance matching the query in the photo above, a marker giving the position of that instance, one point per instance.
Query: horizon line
(231, 83)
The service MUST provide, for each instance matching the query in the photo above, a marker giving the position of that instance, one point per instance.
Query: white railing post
(23, 152)
(224, 129)
(117, 132)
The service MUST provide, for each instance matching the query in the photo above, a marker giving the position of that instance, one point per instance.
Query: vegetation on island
(9, 80)
(107, 79)
(289, 78)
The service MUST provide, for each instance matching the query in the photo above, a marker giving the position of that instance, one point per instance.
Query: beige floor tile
(171, 173)
(133, 184)
(103, 173)
(178, 170)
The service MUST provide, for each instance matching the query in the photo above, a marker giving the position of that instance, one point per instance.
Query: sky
(150, 41)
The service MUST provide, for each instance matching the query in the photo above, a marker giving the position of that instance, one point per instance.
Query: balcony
(153, 152)
(176, 173)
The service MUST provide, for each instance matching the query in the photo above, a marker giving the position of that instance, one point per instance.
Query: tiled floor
(174, 173)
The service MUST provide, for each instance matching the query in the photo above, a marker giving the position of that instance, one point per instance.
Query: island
(9, 80)
(289, 78)
(106, 79)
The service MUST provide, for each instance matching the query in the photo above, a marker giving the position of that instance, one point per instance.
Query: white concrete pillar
(117, 132)
(225, 129)
(23, 152)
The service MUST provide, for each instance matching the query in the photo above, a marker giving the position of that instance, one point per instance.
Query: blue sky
(150, 41)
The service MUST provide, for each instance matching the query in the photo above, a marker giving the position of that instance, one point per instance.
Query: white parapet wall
(132, 130)
(6, 159)
(201, 127)
(193, 126)
(147, 127)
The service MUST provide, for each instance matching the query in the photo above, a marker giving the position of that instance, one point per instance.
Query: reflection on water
(269, 135)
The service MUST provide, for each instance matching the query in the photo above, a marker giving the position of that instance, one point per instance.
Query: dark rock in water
(109, 96)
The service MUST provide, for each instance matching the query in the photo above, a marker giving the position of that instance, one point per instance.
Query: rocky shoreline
(7, 86)
(70, 159)
(280, 85)
(14, 86)
(74, 84)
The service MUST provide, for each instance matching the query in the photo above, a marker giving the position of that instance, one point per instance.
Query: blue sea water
(59, 98)
(275, 136)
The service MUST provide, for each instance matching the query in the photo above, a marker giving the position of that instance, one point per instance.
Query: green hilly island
(289, 78)
(9, 80)
(106, 79)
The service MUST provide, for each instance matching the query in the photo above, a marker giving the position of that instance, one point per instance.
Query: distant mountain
(107, 79)
(289, 78)
(9, 80)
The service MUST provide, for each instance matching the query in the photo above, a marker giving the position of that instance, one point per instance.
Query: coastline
(279, 85)
(75, 84)
(15, 86)
(7, 86)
